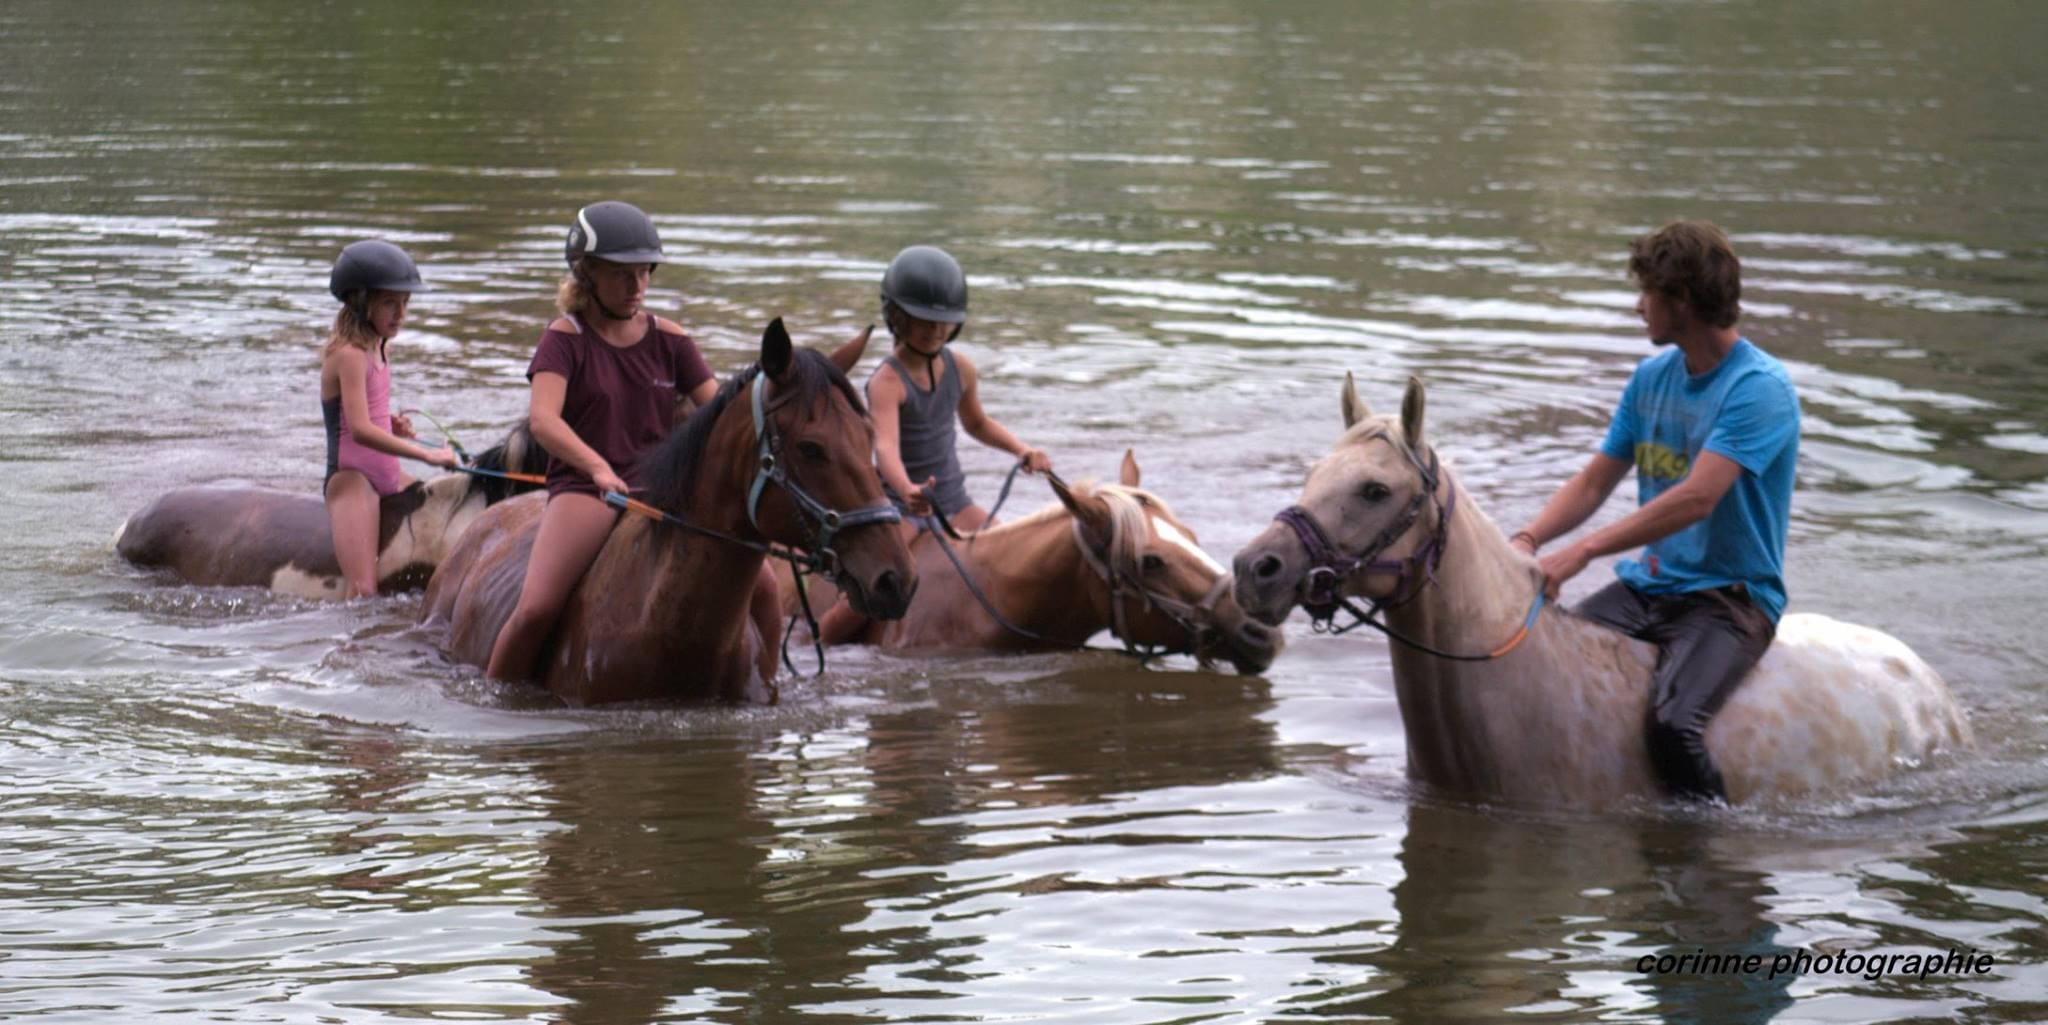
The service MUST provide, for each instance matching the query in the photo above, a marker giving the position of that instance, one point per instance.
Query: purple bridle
(1329, 567)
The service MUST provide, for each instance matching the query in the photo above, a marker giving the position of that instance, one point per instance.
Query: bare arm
(348, 364)
(885, 407)
(544, 415)
(1684, 504)
(983, 428)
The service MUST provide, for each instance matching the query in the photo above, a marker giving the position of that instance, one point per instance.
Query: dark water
(1182, 224)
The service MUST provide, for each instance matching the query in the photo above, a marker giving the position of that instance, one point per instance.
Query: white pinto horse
(1556, 715)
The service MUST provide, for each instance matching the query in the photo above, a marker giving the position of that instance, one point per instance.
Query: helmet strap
(582, 272)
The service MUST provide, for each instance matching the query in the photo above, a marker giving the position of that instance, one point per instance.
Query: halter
(1329, 567)
(828, 522)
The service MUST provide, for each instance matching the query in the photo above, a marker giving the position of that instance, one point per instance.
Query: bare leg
(766, 608)
(352, 520)
(572, 531)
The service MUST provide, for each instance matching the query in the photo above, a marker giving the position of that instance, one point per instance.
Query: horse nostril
(889, 586)
(1267, 567)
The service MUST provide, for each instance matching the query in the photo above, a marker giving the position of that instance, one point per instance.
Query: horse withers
(245, 536)
(1104, 557)
(782, 455)
(1559, 718)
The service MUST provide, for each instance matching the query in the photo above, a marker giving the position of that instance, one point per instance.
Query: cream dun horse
(1560, 719)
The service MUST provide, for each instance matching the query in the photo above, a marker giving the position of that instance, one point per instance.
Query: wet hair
(352, 325)
(1690, 262)
(669, 470)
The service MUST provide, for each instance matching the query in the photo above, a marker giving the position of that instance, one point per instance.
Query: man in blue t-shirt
(1711, 427)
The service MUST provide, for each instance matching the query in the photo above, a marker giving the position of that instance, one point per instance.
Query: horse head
(815, 487)
(1364, 525)
(1166, 593)
(786, 447)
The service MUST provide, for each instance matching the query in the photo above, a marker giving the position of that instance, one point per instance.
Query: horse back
(1831, 703)
(236, 536)
(230, 536)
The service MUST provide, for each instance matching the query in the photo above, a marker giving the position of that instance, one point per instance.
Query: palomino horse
(1105, 557)
(662, 611)
(1560, 718)
(239, 536)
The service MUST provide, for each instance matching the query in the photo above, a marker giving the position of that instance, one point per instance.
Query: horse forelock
(669, 470)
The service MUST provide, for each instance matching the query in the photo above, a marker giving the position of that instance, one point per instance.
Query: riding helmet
(613, 231)
(927, 283)
(376, 266)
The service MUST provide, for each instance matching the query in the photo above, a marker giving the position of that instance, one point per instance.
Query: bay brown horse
(1557, 715)
(246, 536)
(1104, 557)
(783, 455)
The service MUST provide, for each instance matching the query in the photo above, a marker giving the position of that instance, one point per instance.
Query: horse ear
(1127, 474)
(776, 349)
(1091, 511)
(847, 356)
(1411, 414)
(1354, 407)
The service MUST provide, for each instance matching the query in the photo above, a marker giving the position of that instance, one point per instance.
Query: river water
(1183, 225)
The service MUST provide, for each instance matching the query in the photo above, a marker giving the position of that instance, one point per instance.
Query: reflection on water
(1182, 231)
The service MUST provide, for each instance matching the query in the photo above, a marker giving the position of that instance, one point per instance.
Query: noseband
(1196, 619)
(1329, 566)
(825, 522)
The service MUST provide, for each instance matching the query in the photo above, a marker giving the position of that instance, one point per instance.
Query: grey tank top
(927, 432)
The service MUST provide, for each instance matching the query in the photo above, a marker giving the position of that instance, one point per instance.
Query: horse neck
(694, 575)
(1491, 727)
(1036, 568)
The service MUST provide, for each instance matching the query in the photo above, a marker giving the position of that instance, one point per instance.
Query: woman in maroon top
(606, 381)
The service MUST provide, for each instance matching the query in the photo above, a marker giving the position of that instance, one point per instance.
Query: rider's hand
(1035, 460)
(919, 501)
(608, 481)
(443, 457)
(401, 427)
(1560, 566)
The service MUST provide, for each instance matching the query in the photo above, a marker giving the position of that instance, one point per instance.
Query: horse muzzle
(883, 594)
(1269, 575)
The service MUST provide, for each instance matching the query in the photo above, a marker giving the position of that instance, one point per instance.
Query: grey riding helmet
(927, 283)
(613, 231)
(375, 266)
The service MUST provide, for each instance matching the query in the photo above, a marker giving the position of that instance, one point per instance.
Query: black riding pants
(1706, 642)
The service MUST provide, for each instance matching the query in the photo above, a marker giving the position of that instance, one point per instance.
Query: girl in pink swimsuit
(374, 281)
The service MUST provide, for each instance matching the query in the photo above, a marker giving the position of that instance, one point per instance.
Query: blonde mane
(1127, 506)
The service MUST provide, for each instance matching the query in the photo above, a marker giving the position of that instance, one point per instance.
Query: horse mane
(668, 470)
(1127, 507)
(518, 453)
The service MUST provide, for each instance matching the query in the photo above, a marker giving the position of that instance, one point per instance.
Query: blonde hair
(572, 296)
(351, 327)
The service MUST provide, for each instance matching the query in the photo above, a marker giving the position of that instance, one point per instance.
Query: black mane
(518, 453)
(668, 471)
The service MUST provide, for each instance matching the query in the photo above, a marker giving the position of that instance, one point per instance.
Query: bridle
(824, 522)
(1329, 566)
(1196, 619)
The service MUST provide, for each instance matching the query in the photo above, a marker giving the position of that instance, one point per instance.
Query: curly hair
(1690, 262)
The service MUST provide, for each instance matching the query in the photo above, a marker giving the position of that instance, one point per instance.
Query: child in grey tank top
(917, 397)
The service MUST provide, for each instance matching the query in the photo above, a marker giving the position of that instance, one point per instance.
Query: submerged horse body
(244, 536)
(1559, 717)
(1104, 557)
(780, 456)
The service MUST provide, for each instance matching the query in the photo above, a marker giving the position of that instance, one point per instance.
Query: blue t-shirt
(1744, 410)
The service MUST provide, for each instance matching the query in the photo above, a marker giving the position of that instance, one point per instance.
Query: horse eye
(1152, 563)
(1374, 491)
(811, 450)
